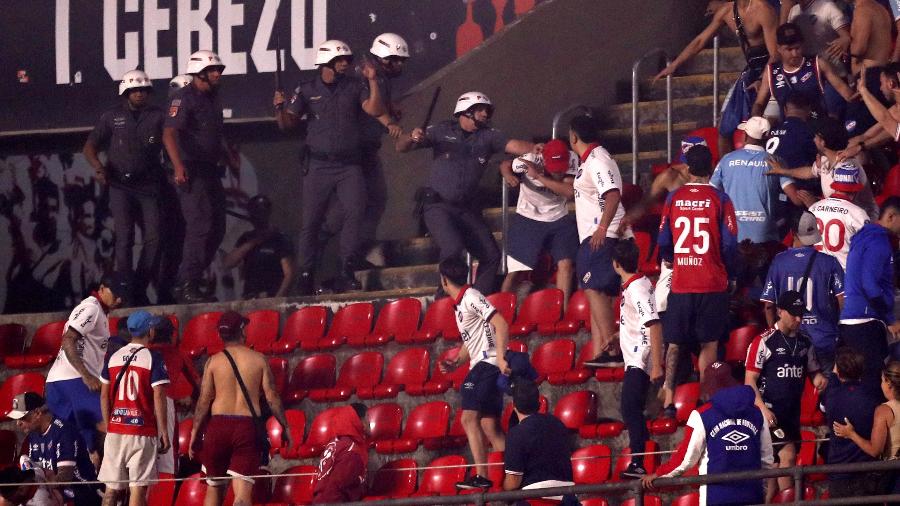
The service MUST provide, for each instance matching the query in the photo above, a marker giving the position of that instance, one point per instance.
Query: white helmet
(203, 59)
(467, 100)
(134, 79)
(331, 49)
(180, 81)
(389, 44)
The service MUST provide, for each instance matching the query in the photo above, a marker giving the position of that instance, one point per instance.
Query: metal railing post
(638, 494)
(715, 111)
(504, 224)
(469, 265)
(798, 485)
(635, 98)
(554, 131)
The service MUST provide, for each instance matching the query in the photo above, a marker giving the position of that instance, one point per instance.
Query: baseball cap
(756, 127)
(846, 177)
(556, 156)
(807, 231)
(139, 323)
(792, 302)
(231, 322)
(23, 404)
(788, 34)
(717, 376)
(687, 143)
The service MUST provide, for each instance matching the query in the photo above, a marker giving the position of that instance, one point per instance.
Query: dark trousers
(456, 228)
(870, 339)
(322, 182)
(202, 201)
(376, 202)
(130, 208)
(634, 396)
(171, 244)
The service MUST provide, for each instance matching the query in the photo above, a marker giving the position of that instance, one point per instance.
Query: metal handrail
(634, 111)
(715, 111)
(504, 226)
(559, 115)
(797, 473)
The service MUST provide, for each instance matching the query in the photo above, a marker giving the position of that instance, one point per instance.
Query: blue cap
(847, 177)
(687, 143)
(139, 323)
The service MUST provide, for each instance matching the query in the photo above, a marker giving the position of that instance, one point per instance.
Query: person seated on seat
(342, 471)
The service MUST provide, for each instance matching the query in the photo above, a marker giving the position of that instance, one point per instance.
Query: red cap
(231, 322)
(556, 156)
(716, 377)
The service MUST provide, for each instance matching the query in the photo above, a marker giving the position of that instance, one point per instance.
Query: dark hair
(891, 373)
(455, 270)
(585, 127)
(891, 203)
(627, 255)
(799, 100)
(122, 329)
(832, 132)
(165, 331)
(850, 363)
(699, 160)
(890, 71)
(526, 398)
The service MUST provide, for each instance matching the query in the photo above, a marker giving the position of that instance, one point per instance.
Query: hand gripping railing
(635, 69)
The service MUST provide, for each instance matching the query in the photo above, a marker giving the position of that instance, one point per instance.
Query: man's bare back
(870, 34)
(228, 398)
(754, 13)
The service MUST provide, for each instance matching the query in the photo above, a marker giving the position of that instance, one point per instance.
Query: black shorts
(479, 390)
(594, 268)
(695, 318)
(788, 427)
(528, 237)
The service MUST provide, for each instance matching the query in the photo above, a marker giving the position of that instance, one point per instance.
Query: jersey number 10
(129, 386)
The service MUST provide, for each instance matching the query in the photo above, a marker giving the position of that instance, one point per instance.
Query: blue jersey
(62, 446)
(805, 80)
(792, 142)
(758, 199)
(826, 281)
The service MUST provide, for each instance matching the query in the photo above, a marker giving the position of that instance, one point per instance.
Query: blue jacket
(869, 280)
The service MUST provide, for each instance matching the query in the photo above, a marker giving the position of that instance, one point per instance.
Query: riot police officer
(462, 147)
(335, 105)
(131, 136)
(194, 140)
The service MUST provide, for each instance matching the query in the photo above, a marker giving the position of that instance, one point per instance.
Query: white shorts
(663, 287)
(129, 460)
(165, 462)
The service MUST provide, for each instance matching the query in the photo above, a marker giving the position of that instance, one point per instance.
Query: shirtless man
(756, 31)
(886, 128)
(230, 444)
(870, 35)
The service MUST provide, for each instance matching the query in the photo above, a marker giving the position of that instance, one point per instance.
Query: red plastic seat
(685, 400)
(738, 139)
(426, 424)
(891, 185)
(162, 492)
(577, 409)
(808, 456)
(578, 315)
(296, 420)
(393, 480)
(319, 435)
(648, 253)
(578, 374)
(17, 384)
(397, 320)
(12, 340)
(359, 371)
(192, 491)
(439, 321)
(314, 372)
(9, 448)
(739, 342)
(304, 325)
(456, 436)
(649, 500)
(787, 495)
(591, 464)
(631, 195)
(540, 311)
(279, 368)
(651, 462)
(543, 407)
(43, 348)
(408, 367)
(295, 490)
(552, 360)
(809, 407)
(184, 436)
(505, 304)
(603, 430)
(385, 422)
(262, 331)
(440, 478)
(352, 323)
(201, 335)
(441, 382)
(594, 501)
(711, 135)
(689, 499)
(517, 345)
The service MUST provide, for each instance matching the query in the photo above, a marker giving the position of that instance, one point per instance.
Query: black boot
(345, 281)
(305, 283)
(190, 294)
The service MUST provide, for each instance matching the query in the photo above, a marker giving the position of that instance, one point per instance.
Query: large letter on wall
(155, 20)
(190, 21)
(305, 57)
(263, 58)
(114, 65)
(229, 17)
(62, 42)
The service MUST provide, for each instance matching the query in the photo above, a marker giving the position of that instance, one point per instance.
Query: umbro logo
(735, 437)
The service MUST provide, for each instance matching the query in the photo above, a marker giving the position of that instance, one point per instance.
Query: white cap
(203, 59)
(389, 44)
(134, 79)
(331, 49)
(756, 127)
(467, 100)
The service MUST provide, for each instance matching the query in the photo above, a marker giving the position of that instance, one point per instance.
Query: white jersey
(663, 286)
(838, 221)
(536, 201)
(823, 168)
(90, 321)
(473, 314)
(637, 310)
(597, 174)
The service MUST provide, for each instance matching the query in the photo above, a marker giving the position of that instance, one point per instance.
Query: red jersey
(131, 404)
(698, 235)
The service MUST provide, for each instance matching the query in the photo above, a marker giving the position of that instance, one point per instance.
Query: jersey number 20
(833, 233)
(695, 228)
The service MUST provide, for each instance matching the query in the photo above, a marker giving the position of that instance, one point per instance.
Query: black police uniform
(334, 117)
(132, 140)
(460, 158)
(198, 118)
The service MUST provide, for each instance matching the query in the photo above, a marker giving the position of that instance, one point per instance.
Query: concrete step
(416, 251)
(731, 59)
(395, 278)
(654, 111)
(686, 86)
(652, 136)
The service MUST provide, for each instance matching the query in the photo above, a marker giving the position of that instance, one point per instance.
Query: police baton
(434, 99)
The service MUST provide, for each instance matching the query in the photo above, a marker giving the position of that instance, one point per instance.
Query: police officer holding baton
(334, 104)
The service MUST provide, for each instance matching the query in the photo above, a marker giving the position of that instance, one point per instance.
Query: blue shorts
(693, 318)
(738, 103)
(71, 401)
(594, 268)
(479, 391)
(527, 238)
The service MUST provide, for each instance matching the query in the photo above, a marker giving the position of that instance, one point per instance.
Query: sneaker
(475, 482)
(634, 471)
(670, 411)
(605, 359)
